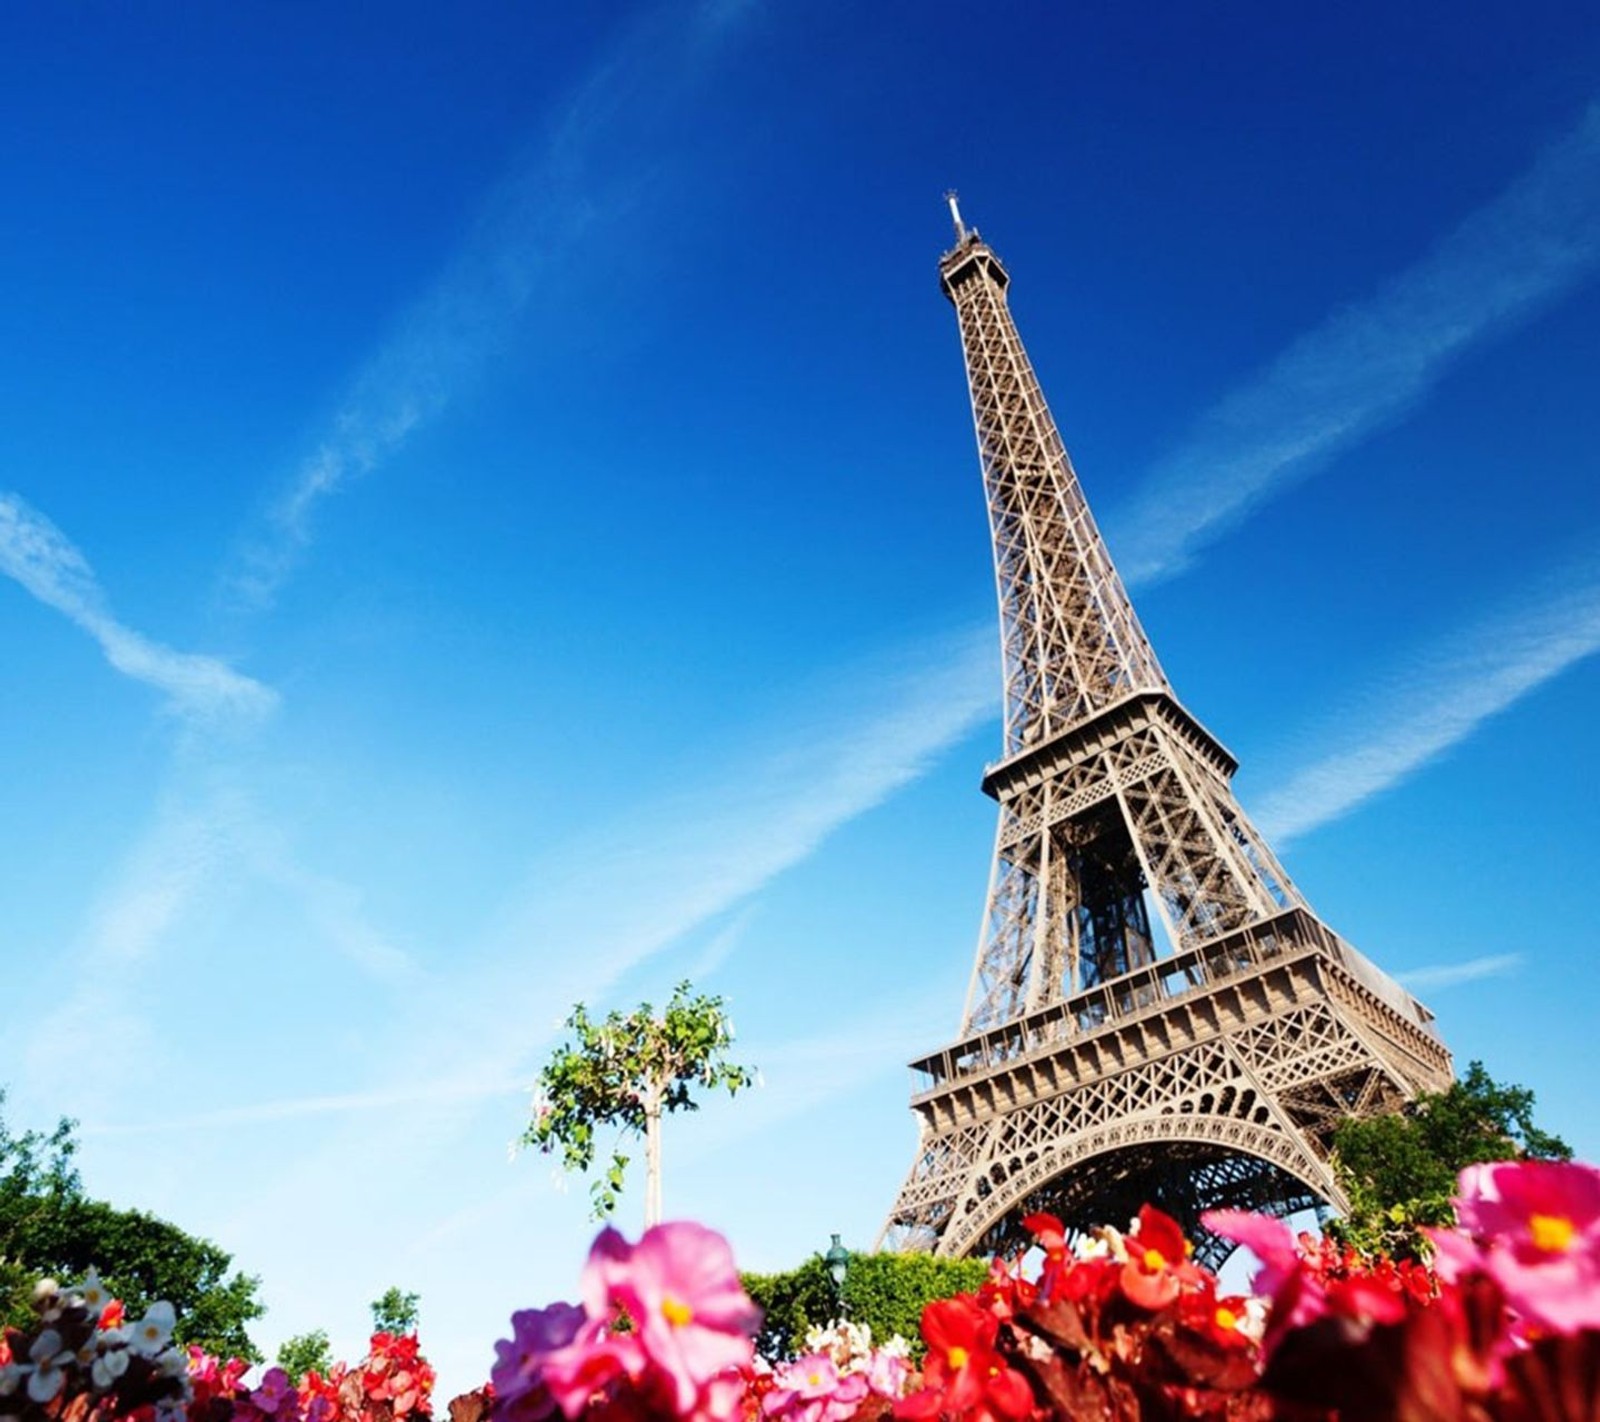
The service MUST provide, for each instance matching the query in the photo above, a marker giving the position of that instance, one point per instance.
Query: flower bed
(1505, 1327)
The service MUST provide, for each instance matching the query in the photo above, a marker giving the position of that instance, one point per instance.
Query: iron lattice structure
(1155, 1012)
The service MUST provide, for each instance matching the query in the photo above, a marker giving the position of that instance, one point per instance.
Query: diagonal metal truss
(1155, 1013)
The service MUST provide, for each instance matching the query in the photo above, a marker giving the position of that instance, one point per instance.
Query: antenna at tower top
(955, 216)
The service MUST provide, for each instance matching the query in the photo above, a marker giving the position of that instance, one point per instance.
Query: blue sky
(490, 519)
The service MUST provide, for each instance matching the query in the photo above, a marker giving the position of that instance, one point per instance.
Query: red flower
(1223, 1321)
(1157, 1260)
(1367, 1298)
(964, 1374)
(1051, 1237)
(1003, 1292)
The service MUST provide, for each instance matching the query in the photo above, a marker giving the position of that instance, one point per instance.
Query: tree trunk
(652, 1159)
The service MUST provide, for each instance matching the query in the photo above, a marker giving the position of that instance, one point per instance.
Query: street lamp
(838, 1261)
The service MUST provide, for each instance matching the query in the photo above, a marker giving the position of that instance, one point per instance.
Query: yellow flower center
(1154, 1259)
(815, 1380)
(1227, 1318)
(957, 1358)
(675, 1311)
(1551, 1233)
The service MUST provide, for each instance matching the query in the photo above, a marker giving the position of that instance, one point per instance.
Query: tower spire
(955, 216)
(1071, 642)
(1155, 1013)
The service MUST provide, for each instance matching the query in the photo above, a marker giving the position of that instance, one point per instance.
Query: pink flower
(1297, 1295)
(693, 1318)
(518, 1373)
(811, 1389)
(689, 1321)
(596, 1358)
(596, 1355)
(1539, 1223)
(887, 1373)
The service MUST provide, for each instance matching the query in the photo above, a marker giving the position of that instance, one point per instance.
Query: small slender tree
(629, 1071)
(306, 1353)
(396, 1312)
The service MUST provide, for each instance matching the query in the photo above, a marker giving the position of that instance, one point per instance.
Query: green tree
(306, 1353)
(395, 1312)
(1399, 1171)
(50, 1226)
(627, 1072)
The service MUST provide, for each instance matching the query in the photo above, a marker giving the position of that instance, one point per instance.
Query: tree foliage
(627, 1072)
(395, 1312)
(885, 1291)
(306, 1353)
(50, 1226)
(1399, 1171)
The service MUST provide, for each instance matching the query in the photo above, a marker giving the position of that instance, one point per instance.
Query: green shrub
(885, 1291)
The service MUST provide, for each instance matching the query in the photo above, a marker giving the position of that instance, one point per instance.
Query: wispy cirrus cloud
(669, 867)
(1373, 359)
(566, 193)
(1446, 695)
(299, 1108)
(625, 890)
(207, 844)
(37, 555)
(1471, 970)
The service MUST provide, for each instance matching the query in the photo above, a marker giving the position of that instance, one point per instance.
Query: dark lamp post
(838, 1261)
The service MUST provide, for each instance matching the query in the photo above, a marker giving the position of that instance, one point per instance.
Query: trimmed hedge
(886, 1291)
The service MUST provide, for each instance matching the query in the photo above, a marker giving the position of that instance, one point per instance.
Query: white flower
(172, 1364)
(108, 1367)
(1254, 1322)
(1103, 1243)
(94, 1295)
(169, 1411)
(153, 1332)
(46, 1380)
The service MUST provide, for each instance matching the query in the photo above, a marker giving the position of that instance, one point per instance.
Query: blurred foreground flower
(664, 1329)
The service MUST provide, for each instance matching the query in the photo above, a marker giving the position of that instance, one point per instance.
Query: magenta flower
(277, 1396)
(686, 1328)
(536, 1334)
(1539, 1224)
(692, 1317)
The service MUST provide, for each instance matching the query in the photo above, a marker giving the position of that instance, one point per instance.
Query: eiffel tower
(1155, 1012)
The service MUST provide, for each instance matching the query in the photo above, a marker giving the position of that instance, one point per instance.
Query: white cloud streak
(625, 891)
(207, 844)
(1448, 975)
(552, 205)
(300, 1108)
(36, 554)
(1449, 694)
(670, 867)
(1372, 360)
